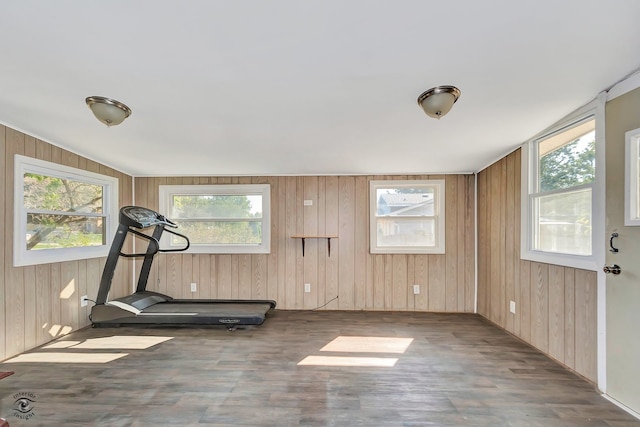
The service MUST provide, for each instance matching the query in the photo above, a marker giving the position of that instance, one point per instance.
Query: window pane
(567, 159)
(220, 233)
(394, 232)
(61, 195)
(563, 222)
(63, 231)
(216, 206)
(402, 201)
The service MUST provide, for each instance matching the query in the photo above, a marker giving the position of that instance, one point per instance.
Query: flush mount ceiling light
(437, 101)
(108, 111)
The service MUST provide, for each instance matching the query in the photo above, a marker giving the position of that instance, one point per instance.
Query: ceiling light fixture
(437, 101)
(108, 111)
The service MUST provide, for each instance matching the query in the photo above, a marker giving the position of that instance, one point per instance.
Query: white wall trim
(628, 84)
(475, 242)
(621, 405)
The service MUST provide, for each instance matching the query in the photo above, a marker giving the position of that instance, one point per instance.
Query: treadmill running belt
(208, 309)
(182, 312)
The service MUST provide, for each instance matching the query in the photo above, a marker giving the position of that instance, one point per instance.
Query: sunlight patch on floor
(368, 344)
(116, 342)
(380, 362)
(66, 357)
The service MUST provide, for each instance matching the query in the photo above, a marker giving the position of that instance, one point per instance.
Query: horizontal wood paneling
(555, 306)
(42, 302)
(360, 280)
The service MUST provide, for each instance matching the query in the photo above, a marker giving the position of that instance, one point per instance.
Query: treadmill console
(139, 217)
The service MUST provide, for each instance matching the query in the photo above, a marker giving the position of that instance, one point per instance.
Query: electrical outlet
(307, 287)
(512, 306)
(194, 287)
(416, 289)
(84, 300)
(308, 202)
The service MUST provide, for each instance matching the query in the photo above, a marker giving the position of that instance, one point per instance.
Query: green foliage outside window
(569, 166)
(57, 211)
(218, 219)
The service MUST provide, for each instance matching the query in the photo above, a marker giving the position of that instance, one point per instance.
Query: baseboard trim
(622, 406)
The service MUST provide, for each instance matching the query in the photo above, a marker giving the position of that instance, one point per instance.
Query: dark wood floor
(459, 370)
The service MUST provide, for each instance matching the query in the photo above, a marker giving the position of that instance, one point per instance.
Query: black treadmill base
(228, 313)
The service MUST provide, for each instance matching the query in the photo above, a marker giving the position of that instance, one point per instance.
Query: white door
(623, 290)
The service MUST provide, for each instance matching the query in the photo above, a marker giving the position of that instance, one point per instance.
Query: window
(219, 218)
(407, 216)
(61, 213)
(632, 178)
(559, 212)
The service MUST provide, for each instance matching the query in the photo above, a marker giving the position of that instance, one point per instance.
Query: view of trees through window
(62, 212)
(219, 219)
(563, 205)
(571, 165)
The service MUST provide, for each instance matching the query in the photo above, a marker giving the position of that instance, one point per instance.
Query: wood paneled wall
(555, 306)
(35, 309)
(360, 280)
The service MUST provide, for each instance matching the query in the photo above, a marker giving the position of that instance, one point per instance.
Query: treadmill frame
(131, 309)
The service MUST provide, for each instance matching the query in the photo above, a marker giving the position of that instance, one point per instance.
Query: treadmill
(148, 307)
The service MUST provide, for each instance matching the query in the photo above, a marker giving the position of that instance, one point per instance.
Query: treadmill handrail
(179, 235)
(152, 241)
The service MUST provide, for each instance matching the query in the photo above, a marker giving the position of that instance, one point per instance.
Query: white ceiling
(255, 87)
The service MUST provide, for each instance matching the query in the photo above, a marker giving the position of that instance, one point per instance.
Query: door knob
(614, 269)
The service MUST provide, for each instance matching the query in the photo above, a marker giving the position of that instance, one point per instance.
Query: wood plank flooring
(447, 370)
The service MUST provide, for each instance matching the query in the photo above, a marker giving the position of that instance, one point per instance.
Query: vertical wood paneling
(400, 275)
(421, 278)
(322, 231)
(451, 255)
(484, 288)
(540, 306)
(224, 276)
(515, 257)
(556, 312)
(244, 273)
(14, 301)
(586, 323)
(437, 283)
(313, 246)
(523, 305)
(555, 306)
(69, 298)
(332, 225)
(346, 218)
(362, 280)
(496, 273)
(510, 242)
(362, 289)
(43, 303)
(293, 250)
(569, 317)
(298, 202)
(83, 312)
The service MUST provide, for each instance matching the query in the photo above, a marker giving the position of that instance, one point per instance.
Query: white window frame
(631, 178)
(438, 214)
(22, 256)
(168, 191)
(594, 109)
